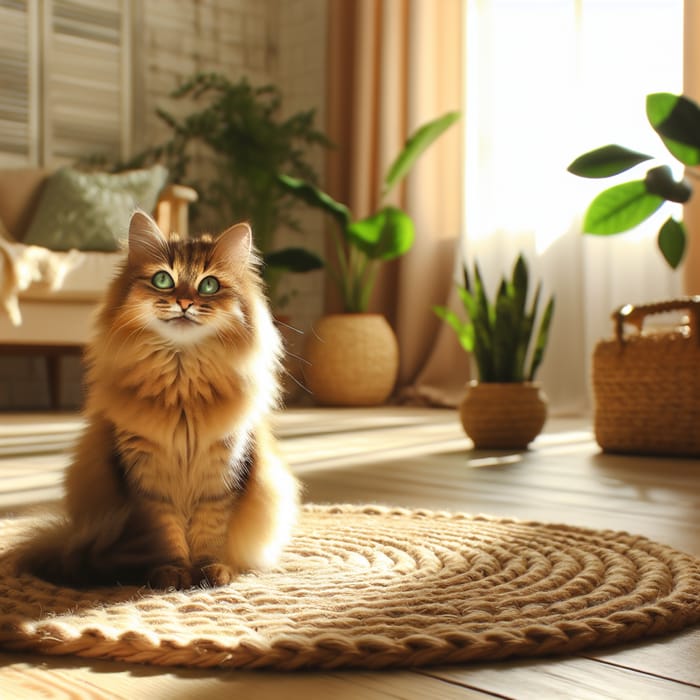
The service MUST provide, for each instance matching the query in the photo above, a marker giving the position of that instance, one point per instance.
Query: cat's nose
(184, 304)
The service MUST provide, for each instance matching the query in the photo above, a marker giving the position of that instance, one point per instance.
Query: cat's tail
(113, 551)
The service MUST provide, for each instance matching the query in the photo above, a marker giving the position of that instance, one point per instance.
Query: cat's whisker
(299, 383)
(316, 335)
(299, 358)
(290, 327)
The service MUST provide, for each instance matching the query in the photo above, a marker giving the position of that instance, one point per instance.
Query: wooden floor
(415, 458)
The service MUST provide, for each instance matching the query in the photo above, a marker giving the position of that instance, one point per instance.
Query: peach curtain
(691, 88)
(394, 65)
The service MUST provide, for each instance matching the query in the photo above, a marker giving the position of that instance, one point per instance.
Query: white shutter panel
(18, 65)
(86, 94)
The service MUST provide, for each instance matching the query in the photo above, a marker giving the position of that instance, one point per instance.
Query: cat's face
(186, 291)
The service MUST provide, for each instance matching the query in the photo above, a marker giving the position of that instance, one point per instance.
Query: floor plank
(22, 677)
(582, 679)
(682, 665)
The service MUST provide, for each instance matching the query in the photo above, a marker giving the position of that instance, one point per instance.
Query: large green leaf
(660, 181)
(620, 208)
(293, 260)
(671, 241)
(415, 146)
(677, 121)
(606, 161)
(316, 198)
(383, 236)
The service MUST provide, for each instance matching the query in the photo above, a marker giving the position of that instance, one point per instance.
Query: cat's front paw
(212, 573)
(170, 576)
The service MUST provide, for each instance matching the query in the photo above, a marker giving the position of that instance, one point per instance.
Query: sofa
(52, 317)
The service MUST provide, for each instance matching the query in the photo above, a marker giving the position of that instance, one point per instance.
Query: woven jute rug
(374, 587)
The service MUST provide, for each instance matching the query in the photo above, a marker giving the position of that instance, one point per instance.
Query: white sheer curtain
(547, 80)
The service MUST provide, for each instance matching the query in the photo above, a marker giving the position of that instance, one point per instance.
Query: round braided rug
(374, 587)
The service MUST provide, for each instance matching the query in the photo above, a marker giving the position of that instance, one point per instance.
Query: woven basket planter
(503, 415)
(351, 360)
(647, 386)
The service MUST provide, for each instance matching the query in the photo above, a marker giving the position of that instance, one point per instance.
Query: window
(546, 81)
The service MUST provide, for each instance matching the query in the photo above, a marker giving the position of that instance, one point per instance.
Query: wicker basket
(647, 386)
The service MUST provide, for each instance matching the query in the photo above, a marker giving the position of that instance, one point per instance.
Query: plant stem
(355, 279)
(370, 277)
(341, 277)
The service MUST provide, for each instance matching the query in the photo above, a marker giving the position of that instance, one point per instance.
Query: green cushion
(91, 211)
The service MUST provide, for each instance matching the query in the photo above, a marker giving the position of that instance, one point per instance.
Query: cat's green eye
(209, 285)
(162, 280)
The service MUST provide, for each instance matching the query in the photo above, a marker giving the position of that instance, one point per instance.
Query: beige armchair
(57, 322)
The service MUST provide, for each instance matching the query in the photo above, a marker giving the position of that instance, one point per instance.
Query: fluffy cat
(176, 480)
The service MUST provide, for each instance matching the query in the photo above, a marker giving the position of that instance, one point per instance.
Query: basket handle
(635, 315)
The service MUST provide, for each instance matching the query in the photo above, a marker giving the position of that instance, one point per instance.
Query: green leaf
(677, 121)
(535, 304)
(468, 301)
(519, 284)
(620, 208)
(660, 181)
(483, 355)
(671, 241)
(383, 236)
(464, 331)
(483, 319)
(293, 260)
(542, 338)
(465, 277)
(606, 161)
(316, 198)
(415, 146)
(504, 337)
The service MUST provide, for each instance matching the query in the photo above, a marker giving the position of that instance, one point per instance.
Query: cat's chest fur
(182, 431)
(186, 469)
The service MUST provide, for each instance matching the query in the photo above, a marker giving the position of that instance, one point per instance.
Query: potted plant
(352, 358)
(505, 408)
(250, 143)
(676, 119)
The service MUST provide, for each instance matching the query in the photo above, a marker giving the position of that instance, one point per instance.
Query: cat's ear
(146, 240)
(235, 245)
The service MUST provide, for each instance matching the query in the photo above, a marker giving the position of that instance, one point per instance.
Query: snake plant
(500, 334)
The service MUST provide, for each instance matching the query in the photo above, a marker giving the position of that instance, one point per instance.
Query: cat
(177, 479)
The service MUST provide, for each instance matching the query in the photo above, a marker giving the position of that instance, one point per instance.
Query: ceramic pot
(503, 415)
(351, 360)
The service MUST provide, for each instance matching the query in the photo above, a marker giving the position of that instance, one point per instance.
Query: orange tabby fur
(177, 478)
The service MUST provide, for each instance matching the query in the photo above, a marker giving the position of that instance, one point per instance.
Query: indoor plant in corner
(505, 408)
(352, 358)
